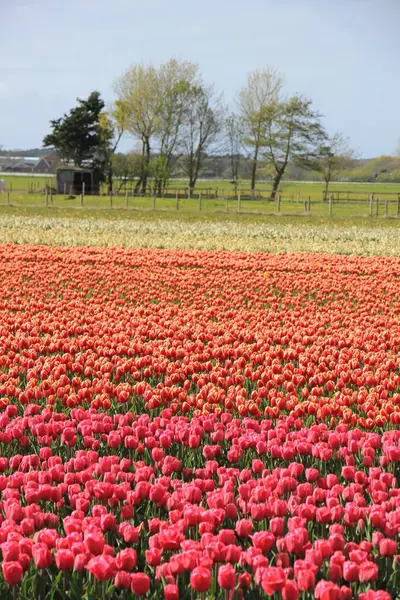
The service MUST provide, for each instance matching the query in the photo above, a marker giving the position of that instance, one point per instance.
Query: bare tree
(294, 133)
(177, 78)
(202, 125)
(262, 89)
(334, 157)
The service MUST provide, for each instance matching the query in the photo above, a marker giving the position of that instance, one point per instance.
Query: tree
(334, 156)
(262, 90)
(160, 172)
(155, 103)
(234, 135)
(140, 96)
(77, 137)
(202, 125)
(112, 127)
(177, 79)
(293, 133)
(126, 167)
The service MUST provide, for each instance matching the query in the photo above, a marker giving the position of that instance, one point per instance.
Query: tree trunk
(196, 169)
(326, 190)
(254, 169)
(110, 178)
(139, 183)
(276, 183)
(146, 149)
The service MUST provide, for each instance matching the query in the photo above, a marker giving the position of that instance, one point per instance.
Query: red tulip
(94, 543)
(273, 580)
(387, 547)
(122, 580)
(171, 592)
(200, 579)
(64, 560)
(290, 590)
(126, 559)
(41, 555)
(140, 584)
(12, 572)
(350, 571)
(226, 577)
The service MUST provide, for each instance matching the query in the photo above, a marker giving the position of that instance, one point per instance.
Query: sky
(343, 54)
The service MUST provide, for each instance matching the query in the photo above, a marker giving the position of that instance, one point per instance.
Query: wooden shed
(70, 180)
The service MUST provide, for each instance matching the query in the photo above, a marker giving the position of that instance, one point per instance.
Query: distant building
(17, 164)
(47, 164)
(70, 180)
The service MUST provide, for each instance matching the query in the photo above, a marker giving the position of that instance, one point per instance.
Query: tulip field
(198, 424)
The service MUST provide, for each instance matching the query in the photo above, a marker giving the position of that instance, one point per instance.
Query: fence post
(65, 189)
(330, 205)
(154, 202)
(377, 206)
(371, 199)
(298, 196)
(200, 205)
(386, 208)
(177, 197)
(126, 198)
(8, 198)
(226, 204)
(278, 204)
(111, 199)
(309, 204)
(305, 207)
(238, 205)
(83, 189)
(47, 196)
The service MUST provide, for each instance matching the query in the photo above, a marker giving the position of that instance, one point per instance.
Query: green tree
(155, 103)
(139, 94)
(293, 134)
(262, 90)
(234, 139)
(76, 136)
(112, 126)
(160, 173)
(126, 168)
(334, 157)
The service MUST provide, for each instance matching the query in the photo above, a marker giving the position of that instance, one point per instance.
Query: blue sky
(344, 54)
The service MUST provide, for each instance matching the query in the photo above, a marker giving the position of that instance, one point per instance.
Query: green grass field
(290, 190)
(296, 199)
(25, 182)
(288, 206)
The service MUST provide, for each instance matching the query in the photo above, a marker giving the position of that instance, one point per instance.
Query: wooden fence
(373, 205)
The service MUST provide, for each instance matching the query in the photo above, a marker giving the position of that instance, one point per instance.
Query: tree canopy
(77, 136)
